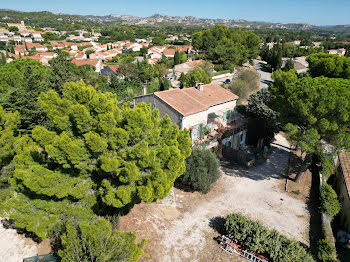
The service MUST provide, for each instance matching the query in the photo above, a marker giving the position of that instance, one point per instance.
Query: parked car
(227, 81)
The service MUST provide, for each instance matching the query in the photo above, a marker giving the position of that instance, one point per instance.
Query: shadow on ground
(313, 204)
(274, 166)
(217, 223)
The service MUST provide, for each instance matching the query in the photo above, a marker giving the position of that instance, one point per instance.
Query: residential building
(169, 52)
(339, 52)
(188, 66)
(96, 63)
(343, 188)
(21, 26)
(201, 109)
(109, 70)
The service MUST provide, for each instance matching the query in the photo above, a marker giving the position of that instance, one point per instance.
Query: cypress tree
(3, 59)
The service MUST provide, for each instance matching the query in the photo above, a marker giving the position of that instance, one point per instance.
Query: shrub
(325, 250)
(258, 238)
(297, 192)
(98, 242)
(329, 201)
(327, 168)
(202, 170)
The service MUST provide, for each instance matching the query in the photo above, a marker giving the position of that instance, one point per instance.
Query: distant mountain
(45, 18)
(158, 20)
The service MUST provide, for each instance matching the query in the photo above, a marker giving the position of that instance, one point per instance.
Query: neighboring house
(37, 47)
(43, 60)
(48, 55)
(188, 66)
(96, 63)
(339, 52)
(297, 42)
(200, 109)
(21, 26)
(134, 47)
(343, 188)
(169, 52)
(109, 70)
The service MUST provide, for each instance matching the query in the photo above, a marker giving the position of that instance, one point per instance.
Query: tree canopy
(320, 105)
(21, 82)
(97, 157)
(8, 138)
(322, 64)
(228, 47)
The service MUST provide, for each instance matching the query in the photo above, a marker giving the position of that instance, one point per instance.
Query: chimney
(199, 86)
(144, 90)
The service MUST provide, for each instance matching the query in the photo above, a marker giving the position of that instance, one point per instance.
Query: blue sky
(318, 12)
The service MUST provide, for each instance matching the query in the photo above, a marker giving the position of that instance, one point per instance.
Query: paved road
(223, 79)
(265, 75)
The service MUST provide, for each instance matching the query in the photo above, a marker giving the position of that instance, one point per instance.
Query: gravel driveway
(256, 193)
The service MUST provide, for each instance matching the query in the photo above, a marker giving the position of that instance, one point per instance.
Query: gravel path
(255, 193)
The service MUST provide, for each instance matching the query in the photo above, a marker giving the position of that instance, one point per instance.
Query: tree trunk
(304, 167)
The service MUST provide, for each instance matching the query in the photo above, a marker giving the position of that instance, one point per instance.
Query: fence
(236, 156)
(43, 258)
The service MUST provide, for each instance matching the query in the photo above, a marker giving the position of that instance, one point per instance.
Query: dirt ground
(183, 229)
(183, 226)
(14, 247)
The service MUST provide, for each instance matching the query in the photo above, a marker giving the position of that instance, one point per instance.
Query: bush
(98, 242)
(325, 251)
(258, 238)
(329, 202)
(327, 167)
(202, 170)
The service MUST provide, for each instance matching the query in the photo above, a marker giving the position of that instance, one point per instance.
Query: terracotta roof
(195, 63)
(113, 68)
(182, 70)
(344, 158)
(80, 62)
(189, 101)
(169, 51)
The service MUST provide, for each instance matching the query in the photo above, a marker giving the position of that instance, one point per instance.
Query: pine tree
(98, 160)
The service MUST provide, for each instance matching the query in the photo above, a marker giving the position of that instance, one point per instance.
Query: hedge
(257, 238)
(329, 201)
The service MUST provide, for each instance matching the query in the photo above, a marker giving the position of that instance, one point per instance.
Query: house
(96, 63)
(37, 47)
(48, 55)
(339, 52)
(169, 52)
(343, 188)
(43, 60)
(188, 66)
(21, 26)
(133, 47)
(200, 109)
(20, 49)
(109, 70)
